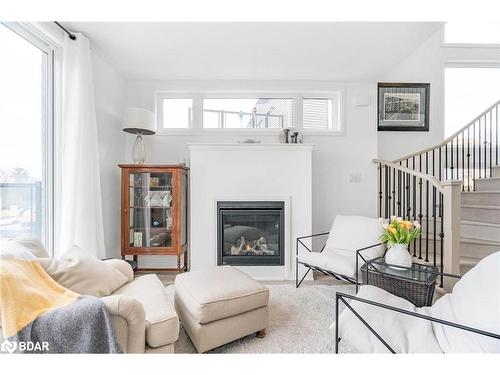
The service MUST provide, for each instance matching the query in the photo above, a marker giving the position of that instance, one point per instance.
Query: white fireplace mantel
(265, 171)
(250, 146)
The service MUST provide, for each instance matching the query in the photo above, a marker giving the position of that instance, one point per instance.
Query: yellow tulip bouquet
(399, 231)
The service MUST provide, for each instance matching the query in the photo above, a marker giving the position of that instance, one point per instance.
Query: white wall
(424, 65)
(334, 157)
(109, 89)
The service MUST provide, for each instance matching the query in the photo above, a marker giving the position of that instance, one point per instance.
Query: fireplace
(250, 233)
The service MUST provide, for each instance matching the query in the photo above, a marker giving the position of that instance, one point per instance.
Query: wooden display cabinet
(154, 205)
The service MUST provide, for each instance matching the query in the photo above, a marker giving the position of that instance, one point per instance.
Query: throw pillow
(12, 249)
(82, 273)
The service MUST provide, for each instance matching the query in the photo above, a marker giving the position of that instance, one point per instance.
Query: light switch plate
(355, 178)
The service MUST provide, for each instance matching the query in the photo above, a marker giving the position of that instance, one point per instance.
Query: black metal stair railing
(468, 155)
(410, 187)
(416, 196)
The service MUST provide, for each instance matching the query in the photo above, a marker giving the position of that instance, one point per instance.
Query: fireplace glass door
(250, 233)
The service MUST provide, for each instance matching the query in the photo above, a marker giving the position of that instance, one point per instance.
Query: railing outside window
(21, 209)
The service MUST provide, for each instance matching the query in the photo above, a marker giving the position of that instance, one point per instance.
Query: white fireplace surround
(249, 172)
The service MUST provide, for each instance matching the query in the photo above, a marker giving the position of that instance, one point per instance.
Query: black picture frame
(403, 106)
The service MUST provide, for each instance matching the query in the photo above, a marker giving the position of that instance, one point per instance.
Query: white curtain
(81, 220)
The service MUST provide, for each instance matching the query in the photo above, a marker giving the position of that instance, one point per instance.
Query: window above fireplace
(249, 113)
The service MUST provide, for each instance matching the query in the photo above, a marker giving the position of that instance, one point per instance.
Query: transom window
(177, 113)
(256, 113)
(321, 113)
(181, 111)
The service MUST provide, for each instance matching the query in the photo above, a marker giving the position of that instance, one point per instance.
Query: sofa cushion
(474, 302)
(315, 259)
(218, 293)
(351, 233)
(82, 273)
(404, 333)
(340, 262)
(23, 247)
(162, 323)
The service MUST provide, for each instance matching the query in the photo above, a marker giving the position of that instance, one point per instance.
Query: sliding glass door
(26, 129)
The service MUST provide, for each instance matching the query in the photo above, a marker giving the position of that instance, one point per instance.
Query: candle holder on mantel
(290, 135)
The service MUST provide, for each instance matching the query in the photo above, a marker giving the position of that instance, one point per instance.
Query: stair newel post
(497, 125)
(380, 190)
(451, 229)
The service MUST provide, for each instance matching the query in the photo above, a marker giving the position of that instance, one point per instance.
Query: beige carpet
(299, 319)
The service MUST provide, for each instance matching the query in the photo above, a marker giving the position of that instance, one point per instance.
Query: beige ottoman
(220, 305)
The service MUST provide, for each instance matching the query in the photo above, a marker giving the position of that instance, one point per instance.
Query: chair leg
(297, 284)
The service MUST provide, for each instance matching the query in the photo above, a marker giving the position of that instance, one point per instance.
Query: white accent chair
(351, 238)
(464, 321)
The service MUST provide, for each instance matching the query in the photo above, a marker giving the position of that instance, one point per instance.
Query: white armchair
(351, 238)
(464, 321)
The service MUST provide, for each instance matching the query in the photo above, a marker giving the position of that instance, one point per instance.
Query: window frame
(445, 44)
(48, 183)
(338, 111)
(197, 120)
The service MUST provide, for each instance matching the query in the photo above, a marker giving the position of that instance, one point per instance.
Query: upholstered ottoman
(220, 305)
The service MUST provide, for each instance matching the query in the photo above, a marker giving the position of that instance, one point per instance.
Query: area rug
(299, 322)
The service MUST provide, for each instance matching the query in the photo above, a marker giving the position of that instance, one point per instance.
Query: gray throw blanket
(81, 327)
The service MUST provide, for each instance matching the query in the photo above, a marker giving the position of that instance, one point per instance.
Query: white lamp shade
(139, 121)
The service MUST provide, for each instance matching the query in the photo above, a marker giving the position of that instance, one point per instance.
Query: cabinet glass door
(150, 209)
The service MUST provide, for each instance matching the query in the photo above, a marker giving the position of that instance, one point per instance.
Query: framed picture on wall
(403, 107)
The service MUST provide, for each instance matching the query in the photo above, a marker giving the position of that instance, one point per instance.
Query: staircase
(480, 221)
(453, 191)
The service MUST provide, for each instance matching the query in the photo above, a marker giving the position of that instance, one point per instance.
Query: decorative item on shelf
(140, 122)
(403, 106)
(155, 199)
(137, 239)
(156, 221)
(398, 234)
(167, 199)
(154, 181)
(159, 239)
(169, 219)
(249, 140)
(290, 135)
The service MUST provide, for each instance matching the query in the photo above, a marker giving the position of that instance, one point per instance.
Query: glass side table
(415, 284)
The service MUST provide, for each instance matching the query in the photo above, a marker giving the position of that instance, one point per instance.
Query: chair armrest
(299, 241)
(124, 267)
(359, 255)
(343, 296)
(132, 312)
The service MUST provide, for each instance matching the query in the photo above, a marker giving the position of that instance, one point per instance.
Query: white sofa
(474, 302)
(143, 316)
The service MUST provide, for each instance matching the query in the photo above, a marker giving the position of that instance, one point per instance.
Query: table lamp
(140, 122)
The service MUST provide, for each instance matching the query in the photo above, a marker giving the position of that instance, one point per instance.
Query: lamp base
(139, 150)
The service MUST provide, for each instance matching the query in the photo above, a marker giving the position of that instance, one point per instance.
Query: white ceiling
(317, 51)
